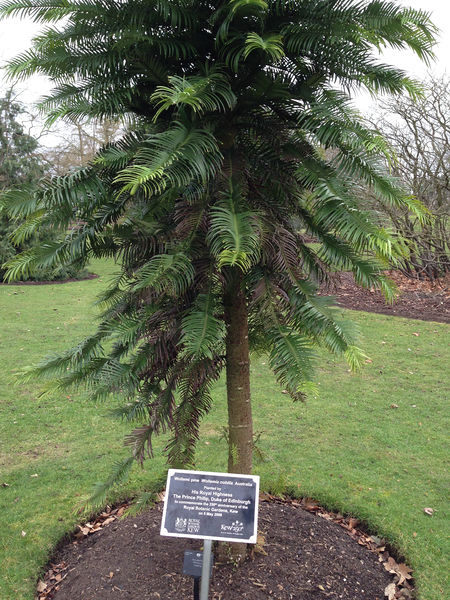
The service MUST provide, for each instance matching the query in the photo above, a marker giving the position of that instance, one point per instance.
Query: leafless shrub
(419, 132)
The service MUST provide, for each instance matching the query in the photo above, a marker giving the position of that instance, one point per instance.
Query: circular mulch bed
(301, 556)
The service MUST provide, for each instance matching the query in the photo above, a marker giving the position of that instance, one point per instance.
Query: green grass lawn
(350, 449)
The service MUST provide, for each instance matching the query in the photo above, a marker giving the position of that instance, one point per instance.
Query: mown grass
(350, 449)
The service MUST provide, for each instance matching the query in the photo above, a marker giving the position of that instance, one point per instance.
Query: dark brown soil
(303, 557)
(54, 281)
(416, 300)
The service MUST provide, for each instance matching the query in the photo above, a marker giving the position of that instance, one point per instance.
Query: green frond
(119, 473)
(409, 203)
(73, 249)
(272, 45)
(168, 273)
(381, 282)
(355, 358)
(117, 155)
(134, 411)
(20, 202)
(203, 332)
(143, 501)
(291, 359)
(208, 93)
(114, 294)
(234, 236)
(21, 265)
(38, 10)
(27, 228)
(314, 317)
(124, 328)
(174, 158)
(235, 9)
(54, 369)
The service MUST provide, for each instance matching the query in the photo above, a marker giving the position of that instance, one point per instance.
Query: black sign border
(251, 540)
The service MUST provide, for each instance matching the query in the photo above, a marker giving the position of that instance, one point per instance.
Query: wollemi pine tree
(243, 145)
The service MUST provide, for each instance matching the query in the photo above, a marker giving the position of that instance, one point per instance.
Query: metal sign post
(196, 588)
(209, 506)
(206, 570)
(193, 565)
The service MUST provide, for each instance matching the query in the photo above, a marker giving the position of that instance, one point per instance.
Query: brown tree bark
(240, 425)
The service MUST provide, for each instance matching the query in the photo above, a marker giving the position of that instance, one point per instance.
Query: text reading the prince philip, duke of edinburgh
(217, 506)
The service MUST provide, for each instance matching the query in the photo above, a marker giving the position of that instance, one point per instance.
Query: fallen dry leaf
(390, 591)
(394, 405)
(416, 334)
(404, 572)
(260, 543)
(24, 533)
(429, 511)
(310, 504)
(41, 586)
(377, 540)
(389, 564)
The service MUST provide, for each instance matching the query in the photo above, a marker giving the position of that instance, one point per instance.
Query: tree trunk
(240, 426)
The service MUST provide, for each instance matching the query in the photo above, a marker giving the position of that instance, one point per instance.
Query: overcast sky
(16, 35)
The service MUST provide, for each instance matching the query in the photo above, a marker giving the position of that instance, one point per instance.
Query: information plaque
(193, 563)
(211, 506)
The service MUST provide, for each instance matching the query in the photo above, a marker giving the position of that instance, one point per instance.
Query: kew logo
(235, 527)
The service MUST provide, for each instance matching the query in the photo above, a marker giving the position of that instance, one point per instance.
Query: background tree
(79, 142)
(419, 132)
(234, 106)
(19, 163)
(23, 163)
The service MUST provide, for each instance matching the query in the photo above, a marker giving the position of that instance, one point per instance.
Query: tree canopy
(243, 144)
